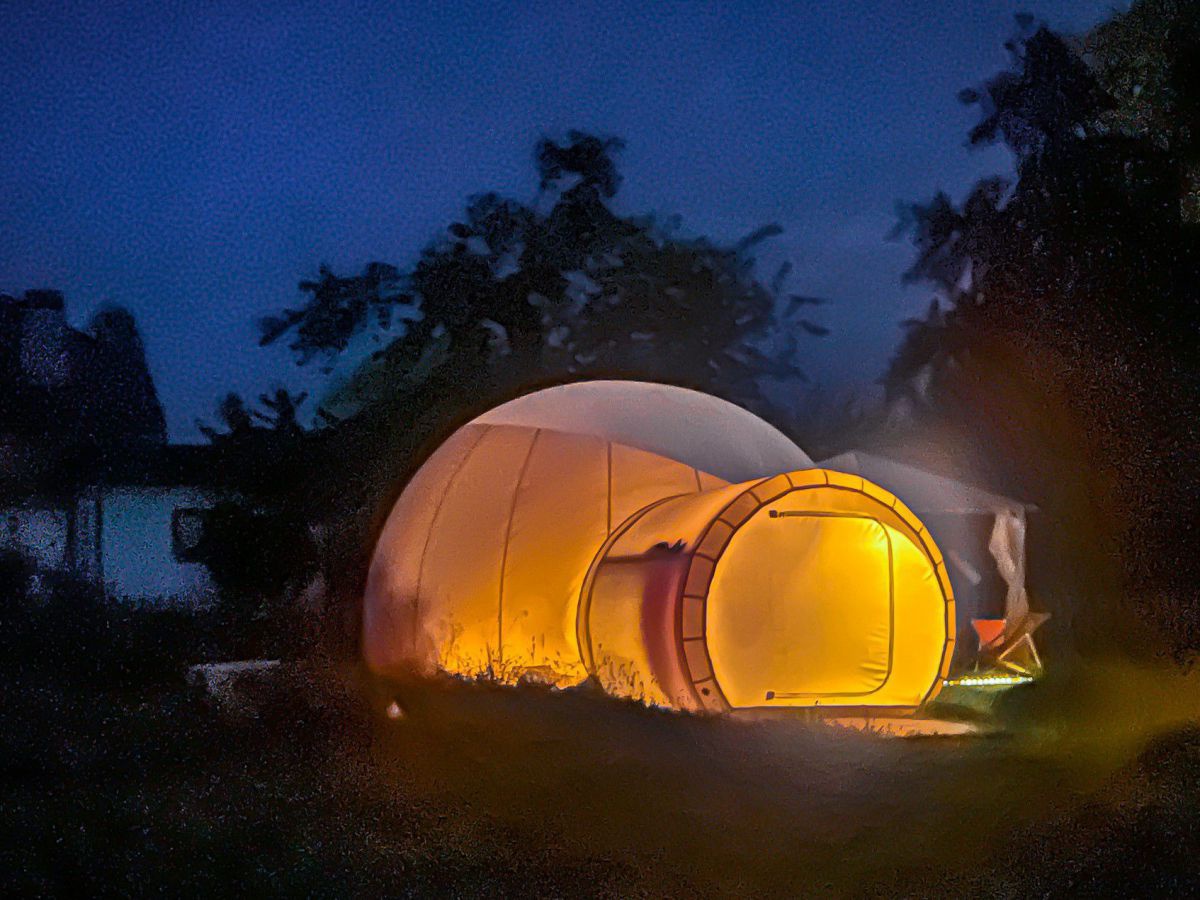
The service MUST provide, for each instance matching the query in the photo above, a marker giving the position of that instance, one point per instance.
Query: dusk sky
(195, 161)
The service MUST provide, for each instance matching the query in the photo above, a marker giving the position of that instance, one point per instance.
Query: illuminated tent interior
(673, 546)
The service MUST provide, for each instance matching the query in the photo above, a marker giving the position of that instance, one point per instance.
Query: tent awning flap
(925, 492)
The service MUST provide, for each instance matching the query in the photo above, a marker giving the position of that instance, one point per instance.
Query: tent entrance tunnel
(669, 545)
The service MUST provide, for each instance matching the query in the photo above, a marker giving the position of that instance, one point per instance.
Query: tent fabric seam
(608, 512)
(512, 511)
(433, 521)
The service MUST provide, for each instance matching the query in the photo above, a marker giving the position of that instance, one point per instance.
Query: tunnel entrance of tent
(811, 590)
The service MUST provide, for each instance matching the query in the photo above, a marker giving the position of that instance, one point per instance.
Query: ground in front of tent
(482, 790)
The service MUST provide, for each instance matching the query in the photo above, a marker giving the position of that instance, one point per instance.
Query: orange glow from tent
(524, 551)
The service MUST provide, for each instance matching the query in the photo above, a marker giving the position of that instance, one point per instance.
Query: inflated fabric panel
(559, 519)
(390, 628)
(460, 575)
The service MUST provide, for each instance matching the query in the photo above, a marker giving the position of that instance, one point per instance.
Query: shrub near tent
(672, 546)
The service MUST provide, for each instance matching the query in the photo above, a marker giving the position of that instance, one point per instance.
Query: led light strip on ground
(987, 680)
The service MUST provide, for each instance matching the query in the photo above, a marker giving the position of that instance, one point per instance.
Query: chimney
(44, 335)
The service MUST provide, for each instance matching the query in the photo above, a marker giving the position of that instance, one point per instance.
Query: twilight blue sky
(195, 160)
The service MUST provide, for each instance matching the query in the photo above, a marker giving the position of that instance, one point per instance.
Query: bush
(71, 629)
(81, 635)
(15, 571)
(252, 552)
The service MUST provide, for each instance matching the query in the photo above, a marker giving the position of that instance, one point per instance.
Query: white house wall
(137, 557)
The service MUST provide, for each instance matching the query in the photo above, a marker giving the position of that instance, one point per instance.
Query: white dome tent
(669, 544)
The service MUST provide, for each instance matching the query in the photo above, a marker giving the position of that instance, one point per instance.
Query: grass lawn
(481, 790)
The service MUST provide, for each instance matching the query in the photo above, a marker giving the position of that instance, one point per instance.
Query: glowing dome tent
(592, 529)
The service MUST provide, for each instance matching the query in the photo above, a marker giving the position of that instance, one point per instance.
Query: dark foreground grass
(486, 791)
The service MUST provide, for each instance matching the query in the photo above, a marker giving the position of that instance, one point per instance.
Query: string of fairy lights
(987, 680)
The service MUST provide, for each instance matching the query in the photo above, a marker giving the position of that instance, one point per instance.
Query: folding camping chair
(1010, 648)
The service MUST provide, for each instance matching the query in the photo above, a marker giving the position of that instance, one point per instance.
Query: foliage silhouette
(565, 288)
(257, 541)
(1077, 279)
(72, 402)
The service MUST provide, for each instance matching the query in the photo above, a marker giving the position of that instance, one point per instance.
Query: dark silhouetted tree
(72, 402)
(515, 294)
(1071, 293)
(257, 541)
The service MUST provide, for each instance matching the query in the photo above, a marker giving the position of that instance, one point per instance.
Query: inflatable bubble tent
(672, 546)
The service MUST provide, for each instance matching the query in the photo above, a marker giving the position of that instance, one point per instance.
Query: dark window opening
(187, 528)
